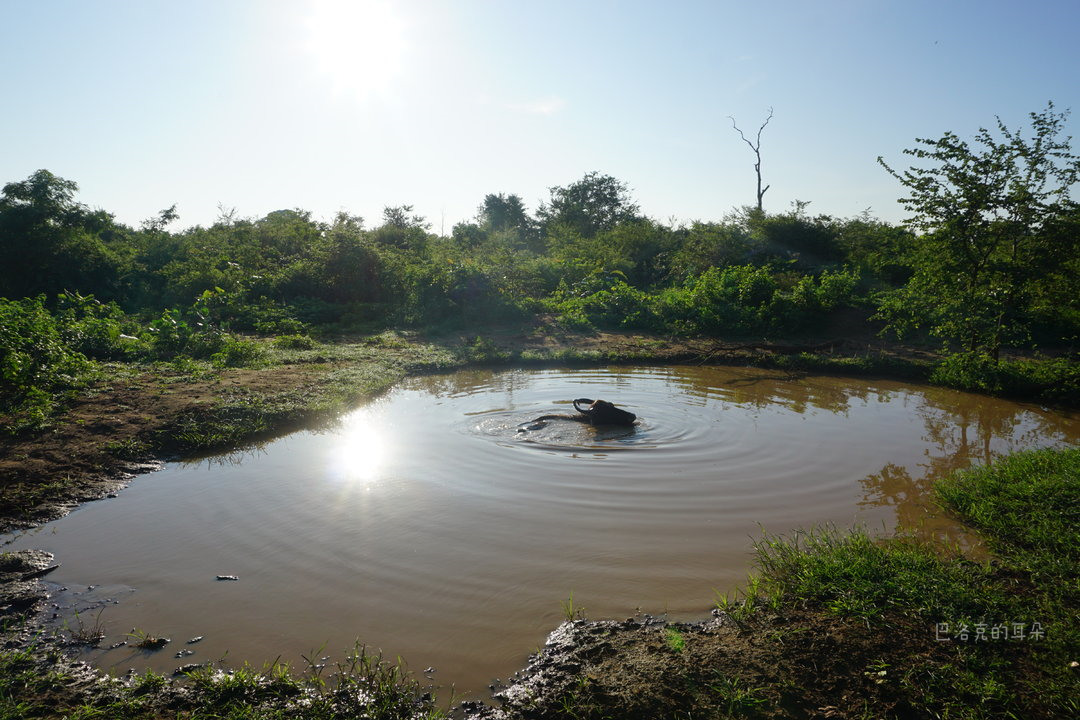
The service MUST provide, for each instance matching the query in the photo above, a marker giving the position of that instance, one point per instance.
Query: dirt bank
(797, 664)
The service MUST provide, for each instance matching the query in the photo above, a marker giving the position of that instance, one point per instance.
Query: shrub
(35, 361)
(236, 352)
(94, 328)
(294, 342)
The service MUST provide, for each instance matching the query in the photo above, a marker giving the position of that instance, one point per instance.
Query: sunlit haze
(329, 105)
(359, 46)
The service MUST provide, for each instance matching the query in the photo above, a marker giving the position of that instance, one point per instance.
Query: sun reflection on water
(362, 450)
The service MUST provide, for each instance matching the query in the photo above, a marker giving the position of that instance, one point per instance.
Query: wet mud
(797, 664)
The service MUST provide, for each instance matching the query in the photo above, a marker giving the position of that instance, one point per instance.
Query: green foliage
(588, 257)
(294, 342)
(35, 362)
(809, 242)
(1050, 379)
(706, 245)
(50, 243)
(98, 330)
(997, 229)
(236, 352)
(739, 299)
(745, 299)
(605, 300)
(177, 333)
(593, 204)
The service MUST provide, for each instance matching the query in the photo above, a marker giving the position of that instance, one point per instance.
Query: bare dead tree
(756, 147)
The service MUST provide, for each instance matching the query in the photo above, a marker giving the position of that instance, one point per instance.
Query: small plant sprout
(145, 641)
(570, 611)
(88, 634)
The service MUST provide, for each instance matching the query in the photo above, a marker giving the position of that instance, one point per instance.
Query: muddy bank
(793, 664)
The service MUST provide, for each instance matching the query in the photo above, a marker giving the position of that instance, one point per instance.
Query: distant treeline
(588, 255)
(989, 260)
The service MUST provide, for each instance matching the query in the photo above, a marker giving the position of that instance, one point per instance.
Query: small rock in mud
(227, 577)
(122, 643)
(185, 669)
(197, 638)
(429, 671)
(184, 653)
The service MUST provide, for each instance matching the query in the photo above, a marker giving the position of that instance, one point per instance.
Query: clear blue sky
(261, 105)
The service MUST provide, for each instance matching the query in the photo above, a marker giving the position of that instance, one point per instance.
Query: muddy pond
(427, 525)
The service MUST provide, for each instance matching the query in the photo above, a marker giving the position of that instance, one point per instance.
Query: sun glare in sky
(358, 45)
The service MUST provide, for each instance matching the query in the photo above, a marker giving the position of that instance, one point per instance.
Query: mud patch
(798, 664)
(20, 585)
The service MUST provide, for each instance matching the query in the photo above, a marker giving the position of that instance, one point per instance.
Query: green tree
(992, 223)
(503, 212)
(402, 229)
(50, 243)
(505, 216)
(593, 204)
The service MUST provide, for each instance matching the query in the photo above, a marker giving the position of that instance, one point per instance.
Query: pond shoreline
(98, 452)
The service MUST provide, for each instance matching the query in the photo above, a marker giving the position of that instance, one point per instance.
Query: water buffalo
(593, 412)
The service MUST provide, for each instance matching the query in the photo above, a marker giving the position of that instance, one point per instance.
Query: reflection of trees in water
(461, 382)
(966, 429)
(511, 382)
(961, 430)
(761, 389)
(747, 387)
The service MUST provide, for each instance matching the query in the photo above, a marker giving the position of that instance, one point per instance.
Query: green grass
(853, 575)
(349, 373)
(675, 640)
(1028, 508)
(572, 612)
(734, 697)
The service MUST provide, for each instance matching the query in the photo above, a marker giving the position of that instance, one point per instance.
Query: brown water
(427, 526)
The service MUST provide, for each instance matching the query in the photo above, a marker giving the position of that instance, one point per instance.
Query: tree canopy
(997, 232)
(593, 204)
